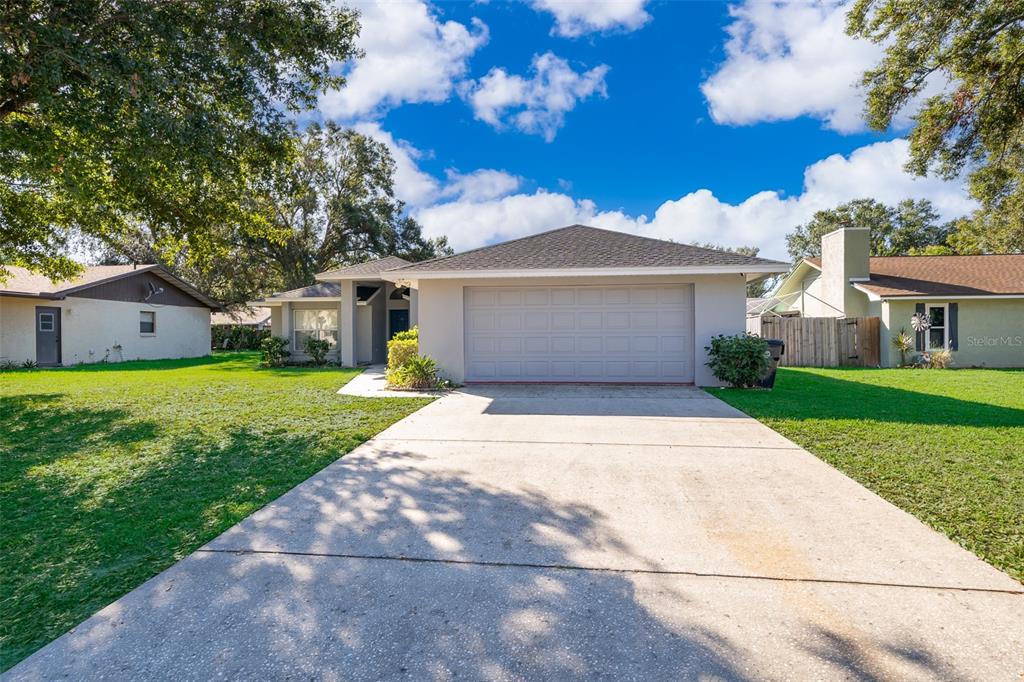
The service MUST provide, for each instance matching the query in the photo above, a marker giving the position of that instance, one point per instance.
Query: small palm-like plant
(904, 343)
(417, 372)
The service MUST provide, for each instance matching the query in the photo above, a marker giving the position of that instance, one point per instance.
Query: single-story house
(109, 312)
(257, 318)
(576, 304)
(974, 305)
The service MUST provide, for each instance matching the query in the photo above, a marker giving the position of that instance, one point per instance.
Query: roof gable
(583, 247)
(23, 282)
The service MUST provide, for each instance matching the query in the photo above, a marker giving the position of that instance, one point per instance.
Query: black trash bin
(776, 349)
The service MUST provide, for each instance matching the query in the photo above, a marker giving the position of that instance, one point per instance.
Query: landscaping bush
(274, 351)
(237, 337)
(317, 349)
(403, 347)
(935, 359)
(417, 372)
(739, 360)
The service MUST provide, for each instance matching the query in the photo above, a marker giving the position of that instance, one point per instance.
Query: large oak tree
(116, 114)
(976, 124)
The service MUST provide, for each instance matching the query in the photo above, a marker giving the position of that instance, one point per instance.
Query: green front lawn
(111, 473)
(945, 445)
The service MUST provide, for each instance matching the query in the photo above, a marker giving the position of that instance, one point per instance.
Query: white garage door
(592, 333)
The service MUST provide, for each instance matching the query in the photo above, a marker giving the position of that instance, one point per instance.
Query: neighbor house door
(47, 336)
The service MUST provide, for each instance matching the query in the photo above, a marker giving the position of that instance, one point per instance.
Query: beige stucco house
(573, 304)
(974, 304)
(109, 312)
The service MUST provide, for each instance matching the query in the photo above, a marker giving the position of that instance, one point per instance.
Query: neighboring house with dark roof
(257, 318)
(112, 312)
(573, 304)
(974, 304)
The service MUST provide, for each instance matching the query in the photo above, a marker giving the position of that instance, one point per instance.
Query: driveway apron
(565, 532)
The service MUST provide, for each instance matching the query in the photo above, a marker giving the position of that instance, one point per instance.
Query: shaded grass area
(111, 473)
(946, 446)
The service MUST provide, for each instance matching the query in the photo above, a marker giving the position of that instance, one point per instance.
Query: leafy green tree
(120, 113)
(909, 227)
(334, 205)
(976, 124)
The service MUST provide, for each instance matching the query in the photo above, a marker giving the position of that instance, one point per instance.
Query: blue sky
(695, 121)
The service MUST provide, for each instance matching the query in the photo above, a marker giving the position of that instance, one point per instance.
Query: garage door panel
(616, 344)
(562, 320)
(579, 333)
(618, 319)
(562, 344)
(537, 345)
(536, 321)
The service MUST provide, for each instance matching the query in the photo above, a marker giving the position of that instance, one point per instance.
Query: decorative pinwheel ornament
(919, 322)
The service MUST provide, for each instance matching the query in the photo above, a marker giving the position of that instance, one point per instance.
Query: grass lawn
(945, 445)
(109, 474)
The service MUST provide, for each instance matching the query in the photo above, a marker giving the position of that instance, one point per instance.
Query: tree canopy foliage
(757, 288)
(908, 228)
(975, 48)
(116, 114)
(333, 205)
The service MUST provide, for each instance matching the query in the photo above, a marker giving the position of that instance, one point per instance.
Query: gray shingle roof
(372, 267)
(580, 246)
(318, 290)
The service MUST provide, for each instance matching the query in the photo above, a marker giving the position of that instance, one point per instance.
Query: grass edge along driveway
(943, 445)
(111, 473)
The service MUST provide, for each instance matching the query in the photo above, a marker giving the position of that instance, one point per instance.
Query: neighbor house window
(315, 324)
(938, 336)
(147, 322)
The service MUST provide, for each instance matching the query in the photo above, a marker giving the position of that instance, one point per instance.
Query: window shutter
(919, 337)
(953, 336)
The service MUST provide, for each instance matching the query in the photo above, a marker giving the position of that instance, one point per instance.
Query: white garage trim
(572, 333)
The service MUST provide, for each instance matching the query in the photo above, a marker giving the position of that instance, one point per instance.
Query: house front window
(938, 334)
(314, 324)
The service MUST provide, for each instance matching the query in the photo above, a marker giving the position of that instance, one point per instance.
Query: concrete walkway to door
(561, 532)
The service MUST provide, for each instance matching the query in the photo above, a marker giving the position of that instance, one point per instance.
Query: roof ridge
(753, 260)
(487, 246)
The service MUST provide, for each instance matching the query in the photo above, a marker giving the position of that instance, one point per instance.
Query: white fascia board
(796, 275)
(294, 299)
(325, 277)
(583, 272)
(872, 296)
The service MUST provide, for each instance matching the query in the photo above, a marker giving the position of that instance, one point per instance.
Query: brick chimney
(844, 259)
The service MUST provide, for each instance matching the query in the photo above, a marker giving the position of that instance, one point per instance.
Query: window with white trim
(938, 329)
(314, 324)
(46, 322)
(147, 322)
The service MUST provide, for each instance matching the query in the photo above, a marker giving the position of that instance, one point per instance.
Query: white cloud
(761, 220)
(574, 18)
(785, 60)
(481, 185)
(537, 105)
(412, 185)
(411, 56)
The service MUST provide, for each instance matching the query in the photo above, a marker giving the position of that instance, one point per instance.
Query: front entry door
(398, 321)
(47, 336)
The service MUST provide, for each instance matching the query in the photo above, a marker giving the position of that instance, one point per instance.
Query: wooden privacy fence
(825, 341)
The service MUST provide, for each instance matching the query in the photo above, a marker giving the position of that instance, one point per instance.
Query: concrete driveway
(565, 533)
